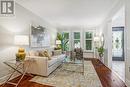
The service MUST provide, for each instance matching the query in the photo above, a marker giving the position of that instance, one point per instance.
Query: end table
(17, 66)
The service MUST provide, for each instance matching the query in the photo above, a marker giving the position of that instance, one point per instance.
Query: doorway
(118, 58)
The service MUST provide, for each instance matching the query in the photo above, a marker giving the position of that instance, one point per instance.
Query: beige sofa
(43, 66)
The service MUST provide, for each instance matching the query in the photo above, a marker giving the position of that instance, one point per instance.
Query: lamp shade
(21, 40)
(58, 42)
(96, 38)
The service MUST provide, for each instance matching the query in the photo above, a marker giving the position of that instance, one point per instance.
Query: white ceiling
(70, 12)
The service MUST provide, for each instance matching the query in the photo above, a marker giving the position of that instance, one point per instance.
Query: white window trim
(82, 38)
(89, 39)
(76, 39)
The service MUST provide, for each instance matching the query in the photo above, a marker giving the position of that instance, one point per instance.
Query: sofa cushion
(57, 52)
(55, 59)
(61, 57)
(52, 61)
(33, 53)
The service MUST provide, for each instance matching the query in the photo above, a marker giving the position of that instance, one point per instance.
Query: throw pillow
(49, 51)
(52, 53)
(41, 53)
(47, 55)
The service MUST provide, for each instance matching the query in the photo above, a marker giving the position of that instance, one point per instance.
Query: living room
(51, 33)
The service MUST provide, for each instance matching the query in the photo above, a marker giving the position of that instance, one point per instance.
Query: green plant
(64, 42)
(101, 51)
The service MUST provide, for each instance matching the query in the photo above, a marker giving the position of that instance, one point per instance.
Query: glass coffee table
(73, 65)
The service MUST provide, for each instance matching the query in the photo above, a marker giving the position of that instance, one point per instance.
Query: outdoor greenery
(77, 39)
(88, 35)
(64, 37)
(88, 44)
(76, 35)
(88, 41)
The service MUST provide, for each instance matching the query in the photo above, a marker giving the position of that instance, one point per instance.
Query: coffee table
(74, 62)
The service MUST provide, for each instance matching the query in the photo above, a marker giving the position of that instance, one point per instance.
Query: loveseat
(44, 66)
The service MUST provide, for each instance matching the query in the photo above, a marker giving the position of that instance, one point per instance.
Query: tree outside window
(76, 39)
(88, 40)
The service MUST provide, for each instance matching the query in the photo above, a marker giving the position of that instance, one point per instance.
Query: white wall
(118, 22)
(119, 18)
(107, 31)
(127, 67)
(20, 24)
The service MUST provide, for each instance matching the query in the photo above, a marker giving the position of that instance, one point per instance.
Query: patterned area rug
(68, 75)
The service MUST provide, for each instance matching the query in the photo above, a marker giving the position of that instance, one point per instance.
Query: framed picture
(38, 37)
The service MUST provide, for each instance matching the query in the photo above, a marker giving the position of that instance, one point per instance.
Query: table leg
(11, 75)
(23, 74)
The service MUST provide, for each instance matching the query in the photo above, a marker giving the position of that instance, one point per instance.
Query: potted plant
(61, 37)
(101, 52)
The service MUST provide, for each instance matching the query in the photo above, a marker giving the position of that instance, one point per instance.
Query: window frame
(76, 39)
(89, 39)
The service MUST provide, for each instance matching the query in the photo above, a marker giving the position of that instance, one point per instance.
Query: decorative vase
(20, 56)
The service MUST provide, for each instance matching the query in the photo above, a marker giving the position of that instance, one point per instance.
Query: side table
(17, 66)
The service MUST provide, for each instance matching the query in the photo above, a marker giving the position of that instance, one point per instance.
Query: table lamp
(96, 40)
(21, 40)
(58, 42)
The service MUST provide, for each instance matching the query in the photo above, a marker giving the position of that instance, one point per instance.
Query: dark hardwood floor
(25, 83)
(107, 77)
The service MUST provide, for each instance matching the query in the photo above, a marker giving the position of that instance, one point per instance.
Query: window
(76, 39)
(66, 44)
(89, 41)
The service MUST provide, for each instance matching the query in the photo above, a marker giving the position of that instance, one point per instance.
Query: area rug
(68, 75)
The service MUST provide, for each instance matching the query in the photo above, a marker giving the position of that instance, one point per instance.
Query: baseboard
(118, 75)
(4, 78)
(127, 83)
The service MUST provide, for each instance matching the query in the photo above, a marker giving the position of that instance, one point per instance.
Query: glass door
(118, 43)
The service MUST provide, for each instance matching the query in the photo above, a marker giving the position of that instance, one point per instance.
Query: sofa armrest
(38, 65)
(33, 57)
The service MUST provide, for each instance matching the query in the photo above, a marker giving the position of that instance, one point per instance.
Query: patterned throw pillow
(41, 53)
(49, 51)
(47, 55)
